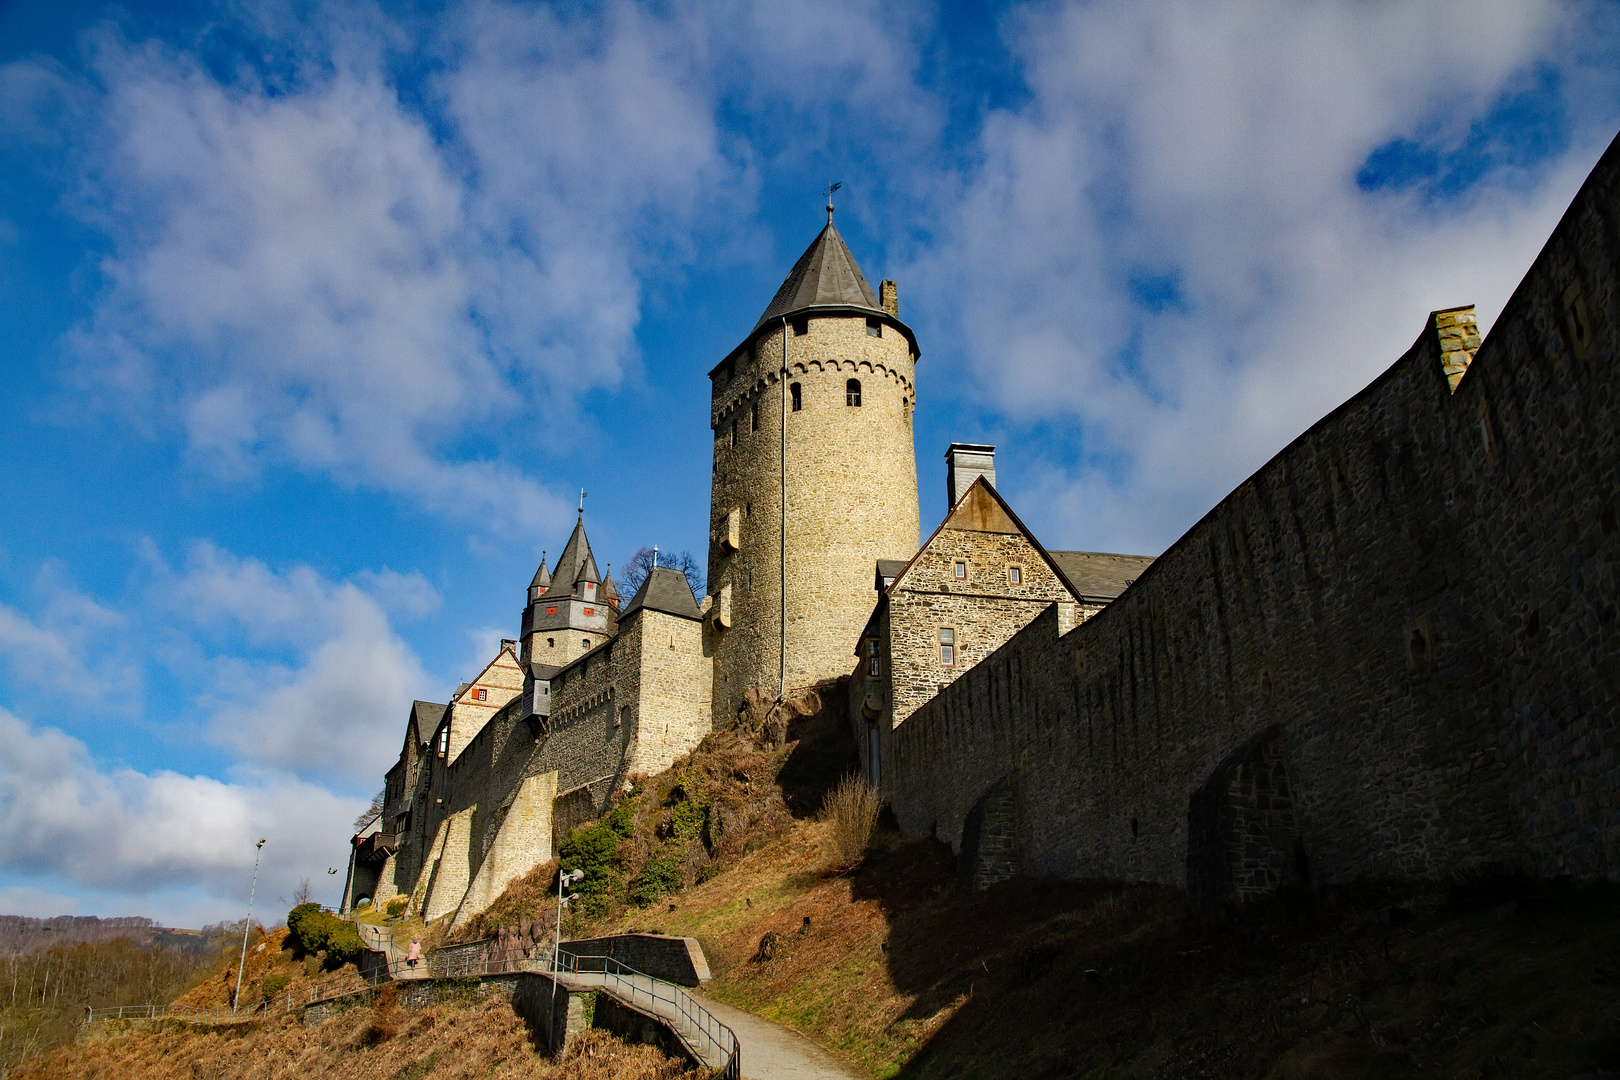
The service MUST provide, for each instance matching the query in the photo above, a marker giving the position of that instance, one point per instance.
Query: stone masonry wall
(1418, 593)
(670, 678)
(851, 499)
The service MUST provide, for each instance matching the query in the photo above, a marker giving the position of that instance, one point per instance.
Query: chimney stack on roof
(965, 463)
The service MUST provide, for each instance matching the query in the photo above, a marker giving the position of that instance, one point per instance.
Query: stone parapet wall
(1418, 594)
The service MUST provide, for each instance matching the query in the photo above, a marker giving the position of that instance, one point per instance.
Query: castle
(1390, 652)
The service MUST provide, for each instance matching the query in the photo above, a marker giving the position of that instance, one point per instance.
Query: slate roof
(665, 590)
(425, 717)
(576, 562)
(826, 275)
(1098, 574)
(542, 579)
(542, 672)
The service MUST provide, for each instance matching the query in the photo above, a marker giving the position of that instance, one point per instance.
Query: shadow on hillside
(1059, 979)
(823, 753)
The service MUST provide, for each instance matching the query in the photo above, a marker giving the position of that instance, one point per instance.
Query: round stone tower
(815, 476)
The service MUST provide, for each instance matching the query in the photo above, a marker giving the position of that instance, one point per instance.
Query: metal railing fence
(703, 1032)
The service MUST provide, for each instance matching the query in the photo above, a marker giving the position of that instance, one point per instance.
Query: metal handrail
(692, 1021)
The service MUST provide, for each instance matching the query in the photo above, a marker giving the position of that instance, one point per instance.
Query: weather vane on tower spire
(830, 189)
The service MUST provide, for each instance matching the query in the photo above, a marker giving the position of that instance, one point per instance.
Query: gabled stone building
(979, 579)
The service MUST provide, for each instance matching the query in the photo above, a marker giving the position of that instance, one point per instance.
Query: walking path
(772, 1052)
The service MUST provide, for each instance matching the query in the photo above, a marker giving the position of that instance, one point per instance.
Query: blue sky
(315, 318)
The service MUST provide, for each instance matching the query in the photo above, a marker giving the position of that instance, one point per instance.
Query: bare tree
(641, 563)
(373, 811)
(303, 894)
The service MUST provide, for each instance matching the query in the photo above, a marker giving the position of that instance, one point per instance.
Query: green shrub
(274, 984)
(660, 876)
(311, 930)
(393, 908)
(594, 849)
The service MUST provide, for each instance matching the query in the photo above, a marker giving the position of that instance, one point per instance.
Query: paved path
(772, 1052)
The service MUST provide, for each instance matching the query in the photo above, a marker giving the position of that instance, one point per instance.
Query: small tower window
(734, 433)
(753, 417)
(585, 643)
(1015, 575)
(959, 570)
(852, 392)
(872, 656)
(947, 646)
(874, 327)
(798, 397)
(801, 326)
(551, 643)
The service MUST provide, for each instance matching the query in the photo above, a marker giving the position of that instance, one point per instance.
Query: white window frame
(948, 648)
(1015, 575)
(959, 569)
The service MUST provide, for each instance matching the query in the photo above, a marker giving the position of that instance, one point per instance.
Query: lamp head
(260, 843)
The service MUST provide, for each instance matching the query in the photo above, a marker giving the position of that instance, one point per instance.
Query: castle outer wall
(851, 479)
(1391, 652)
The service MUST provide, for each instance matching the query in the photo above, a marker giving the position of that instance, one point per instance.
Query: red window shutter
(590, 611)
(551, 611)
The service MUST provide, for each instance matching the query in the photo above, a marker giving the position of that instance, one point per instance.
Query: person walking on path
(414, 955)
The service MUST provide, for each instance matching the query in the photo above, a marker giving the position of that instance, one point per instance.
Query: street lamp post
(564, 879)
(257, 850)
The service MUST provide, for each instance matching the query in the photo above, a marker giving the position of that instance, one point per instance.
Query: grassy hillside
(447, 1042)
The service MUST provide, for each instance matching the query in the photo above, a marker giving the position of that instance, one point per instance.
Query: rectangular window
(947, 646)
(1015, 575)
(801, 326)
(734, 433)
(874, 327)
(480, 694)
(871, 657)
(753, 417)
(798, 397)
(959, 570)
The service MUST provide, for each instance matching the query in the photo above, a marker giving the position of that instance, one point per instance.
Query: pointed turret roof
(542, 578)
(826, 275)
(576, 563)
(610, 591)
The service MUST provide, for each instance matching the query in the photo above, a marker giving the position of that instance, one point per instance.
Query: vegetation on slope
(451, 1041)
(43, 994)
(739, 792)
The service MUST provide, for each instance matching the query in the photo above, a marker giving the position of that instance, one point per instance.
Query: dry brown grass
(446, 1042)
(851, 813)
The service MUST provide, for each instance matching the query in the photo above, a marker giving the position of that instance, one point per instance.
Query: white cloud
(71, 650)
(307, 674)
(128, 834)
(1214, 150)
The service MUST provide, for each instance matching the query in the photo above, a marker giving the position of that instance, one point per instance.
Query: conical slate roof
(576, 562)
(825, 275)
(542, 578)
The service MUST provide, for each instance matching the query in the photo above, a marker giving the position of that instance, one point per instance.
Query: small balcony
(377, 847)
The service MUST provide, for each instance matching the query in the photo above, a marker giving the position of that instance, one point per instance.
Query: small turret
(541, 582)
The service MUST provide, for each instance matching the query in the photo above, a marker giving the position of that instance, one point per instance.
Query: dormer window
(874, 326)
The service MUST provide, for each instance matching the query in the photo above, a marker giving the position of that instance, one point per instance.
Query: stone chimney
(965, 463)
(1458, 330)
(889, 297)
